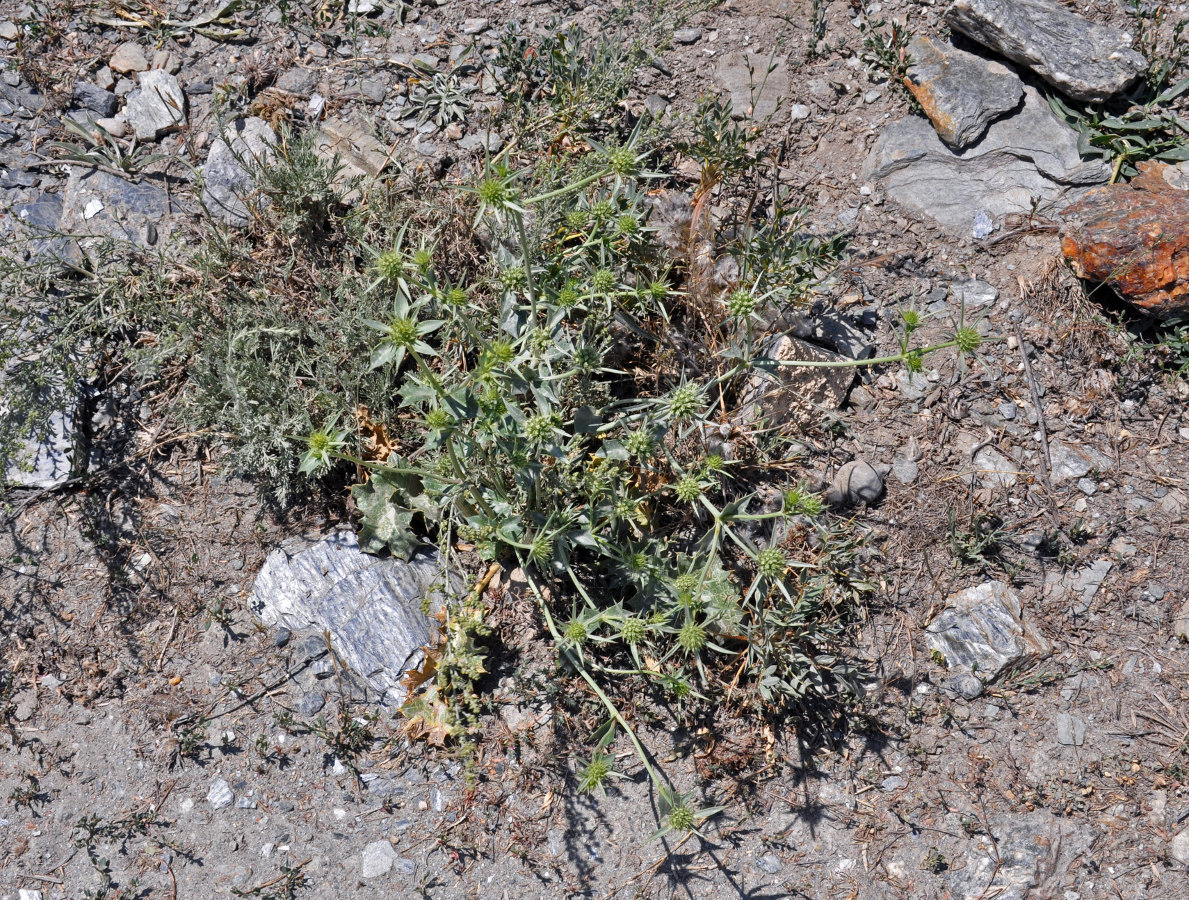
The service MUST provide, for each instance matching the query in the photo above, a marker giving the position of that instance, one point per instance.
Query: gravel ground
(162, 744)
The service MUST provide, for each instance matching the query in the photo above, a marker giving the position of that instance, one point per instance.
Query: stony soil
(142, 692)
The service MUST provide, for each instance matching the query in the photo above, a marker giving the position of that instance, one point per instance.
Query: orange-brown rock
(1135, 237)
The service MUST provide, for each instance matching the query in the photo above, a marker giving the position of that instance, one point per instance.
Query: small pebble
(220, 794)
(769, 863)
(687, 35)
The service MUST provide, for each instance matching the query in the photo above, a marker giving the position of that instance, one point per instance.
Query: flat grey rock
(377, 859)
(1074, 461)
(220, 794)
(1024, 854)
(299, 81)
(158, 107)
(913, 385)
(97, 204)
(1078, 57)
(228, 176)
(905, 470)
(960, 93)
(1031, 156)
(96, 99)
(353, 147)
(39, 225)
(1081, 586)
(832, 330)
(1071, 731)
(129, 57)
(970, 293)
(755, 93)
(45, 458)
(370, 608)
(1180, 624)
(1179, 847)
(487, 141)
(988, 467)
(981, 632)
(309, 705)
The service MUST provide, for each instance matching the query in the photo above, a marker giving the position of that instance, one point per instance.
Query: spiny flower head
(681, 818)
(740, 303)
(967, 339)
(771, 563)
(692, 637)
(438, 420)
(567, 297)
(423, 258)
(640, 443)
(391, 265)
(685, 401)
(539, 428)
(688, 489)
(623, 161)
(402, 332)
(633, 630)
(603, 281)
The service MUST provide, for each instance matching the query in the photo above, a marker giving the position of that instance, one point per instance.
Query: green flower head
(685, 402)
(688, 489)
(640, 443)
(603, 281)
(623, 161)
(741, 304)
(633, 631)
(391, 265)
(771, 563)
(402, 332)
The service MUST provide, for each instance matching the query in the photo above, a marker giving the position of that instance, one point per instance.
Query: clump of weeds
(521, 367)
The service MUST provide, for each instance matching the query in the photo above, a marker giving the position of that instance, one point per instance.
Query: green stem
(567, 189)
(528, 268)
(611, 708)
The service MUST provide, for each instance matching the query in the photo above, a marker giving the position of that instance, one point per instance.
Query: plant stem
(611, 708)
(567, 189)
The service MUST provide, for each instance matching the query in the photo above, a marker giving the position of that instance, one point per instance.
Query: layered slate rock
(785, 395)
(1030, 156)
(158, 107)
(981, 633)
(228, 175)
(360, 157)
(1081, 59)
(369, 608)
(97, 204)
(1134, 236)
(960, 93)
